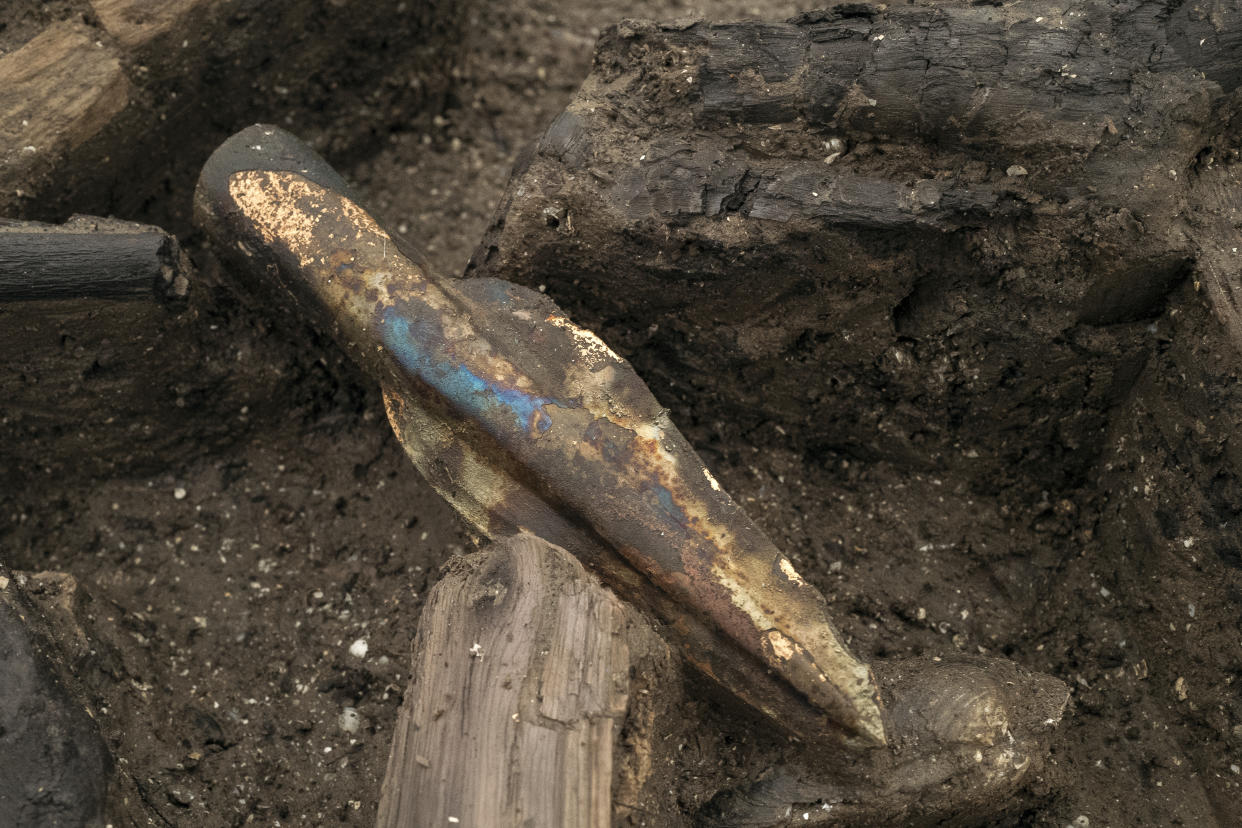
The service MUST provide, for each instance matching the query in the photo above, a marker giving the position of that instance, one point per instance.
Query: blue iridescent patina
(475, 395)
(669, 506)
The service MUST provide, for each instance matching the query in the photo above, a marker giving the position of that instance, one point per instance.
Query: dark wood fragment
(925, 213)
(89, 257)
(55, 768)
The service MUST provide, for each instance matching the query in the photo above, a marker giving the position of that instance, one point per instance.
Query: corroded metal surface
(527, 423)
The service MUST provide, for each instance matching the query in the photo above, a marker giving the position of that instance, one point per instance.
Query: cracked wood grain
(520, 682)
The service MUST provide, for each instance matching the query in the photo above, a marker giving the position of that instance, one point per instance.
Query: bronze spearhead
(527, 423)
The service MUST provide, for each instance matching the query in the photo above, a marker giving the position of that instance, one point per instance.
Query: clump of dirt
(235, 584)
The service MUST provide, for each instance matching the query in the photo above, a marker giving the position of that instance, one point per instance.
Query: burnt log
(89, 258)
(524, 671)
(828, 223)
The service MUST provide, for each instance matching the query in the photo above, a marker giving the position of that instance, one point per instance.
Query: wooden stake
(521, 680)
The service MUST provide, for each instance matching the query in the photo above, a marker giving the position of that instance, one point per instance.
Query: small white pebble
(454, 820)
(179, 493)
(1015, 171)
(1235, 769)
(1082, 821)
(359, 648)
(476, 651)
(1104, 592)
(349, 720)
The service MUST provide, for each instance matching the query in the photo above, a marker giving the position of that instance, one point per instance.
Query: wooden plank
(134, 23)
(56, 92)
(519, 686)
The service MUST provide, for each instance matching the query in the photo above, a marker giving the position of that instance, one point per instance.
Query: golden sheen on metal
(526, 422)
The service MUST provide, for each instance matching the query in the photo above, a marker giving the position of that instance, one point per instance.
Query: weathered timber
(102, 112)
(92, 258)
(56, 93)
(524, 668)
(825, 223)
(136, 23)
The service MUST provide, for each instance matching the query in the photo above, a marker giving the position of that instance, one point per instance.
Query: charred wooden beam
(90, 258)
(805, 222)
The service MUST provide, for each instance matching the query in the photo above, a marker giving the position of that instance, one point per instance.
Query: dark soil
(230, 582)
